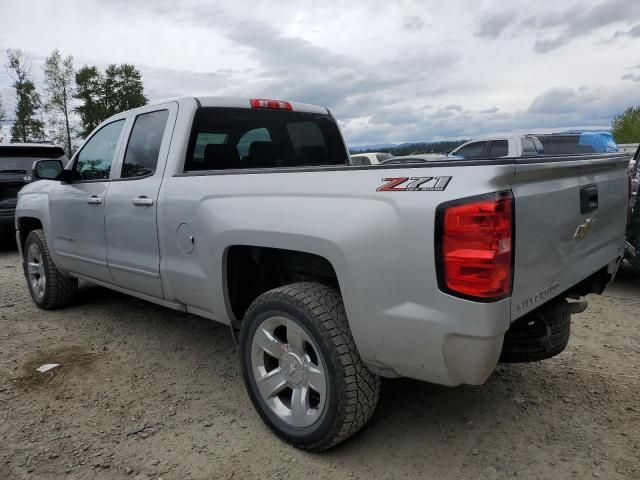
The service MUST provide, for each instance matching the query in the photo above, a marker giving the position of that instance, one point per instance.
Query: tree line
(69, 104)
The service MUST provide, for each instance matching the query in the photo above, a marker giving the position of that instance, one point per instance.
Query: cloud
(389, 72)
(492, 25)
(631, 76)
(632, 32)
(413, 23)
(560, 100)
(578, 21)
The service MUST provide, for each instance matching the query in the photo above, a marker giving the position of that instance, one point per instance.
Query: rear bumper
(471, 360)
(459, 344)
(448, 347)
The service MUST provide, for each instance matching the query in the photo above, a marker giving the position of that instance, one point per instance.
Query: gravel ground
(144, 392)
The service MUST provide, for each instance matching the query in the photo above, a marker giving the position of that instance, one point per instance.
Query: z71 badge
(414, 184)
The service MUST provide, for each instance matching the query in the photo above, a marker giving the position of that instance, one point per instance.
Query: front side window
(473, 150)
(141, 156)
(94, 161)
(239, 138)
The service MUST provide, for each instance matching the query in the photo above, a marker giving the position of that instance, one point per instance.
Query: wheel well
(26, 225)
(251, 271)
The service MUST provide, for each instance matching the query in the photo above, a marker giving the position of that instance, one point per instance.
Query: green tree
(626, 126)
(102, 95)
(60, 87)
(27, 126)
(89, 91)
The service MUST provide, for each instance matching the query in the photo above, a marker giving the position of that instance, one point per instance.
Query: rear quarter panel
(381, 245)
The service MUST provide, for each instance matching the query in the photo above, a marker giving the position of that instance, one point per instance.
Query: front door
(133, 252)
(77, 207)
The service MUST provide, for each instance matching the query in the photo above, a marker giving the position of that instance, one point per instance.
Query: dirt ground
(144, 392)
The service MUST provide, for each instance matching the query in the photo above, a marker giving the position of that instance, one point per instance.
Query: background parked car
(540, 144)
(16, 161)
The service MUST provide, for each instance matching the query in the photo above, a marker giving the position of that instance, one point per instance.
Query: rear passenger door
(133, 251)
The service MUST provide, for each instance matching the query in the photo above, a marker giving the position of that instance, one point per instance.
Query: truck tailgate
(569, 224)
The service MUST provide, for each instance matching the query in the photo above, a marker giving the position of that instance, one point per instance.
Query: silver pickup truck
(330, 275)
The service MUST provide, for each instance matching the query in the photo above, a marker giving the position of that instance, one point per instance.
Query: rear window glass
(18, 159)
(237, 138)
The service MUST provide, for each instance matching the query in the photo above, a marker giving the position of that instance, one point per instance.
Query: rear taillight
(268, 103)
(474, 246)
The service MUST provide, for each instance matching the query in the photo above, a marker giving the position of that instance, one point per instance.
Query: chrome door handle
(94, 200)
(143, 201)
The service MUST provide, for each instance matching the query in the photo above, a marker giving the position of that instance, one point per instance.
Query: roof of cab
(236, 102)
(232, 102)
(28, 145)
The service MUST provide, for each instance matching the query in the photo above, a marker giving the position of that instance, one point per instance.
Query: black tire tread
(524, 343)
(360, 390)
(61, 289)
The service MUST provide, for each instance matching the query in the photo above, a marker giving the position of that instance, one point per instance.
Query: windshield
(18, 159)
(238, 138)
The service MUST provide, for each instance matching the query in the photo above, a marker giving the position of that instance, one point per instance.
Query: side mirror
(47, 169)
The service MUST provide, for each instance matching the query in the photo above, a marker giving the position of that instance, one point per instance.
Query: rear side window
(240, 138)
(499, 148)
(473, 150)
(94, 161)
(141, 157)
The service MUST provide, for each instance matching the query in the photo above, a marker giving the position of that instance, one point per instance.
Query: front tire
(301, 367)
(49, 288)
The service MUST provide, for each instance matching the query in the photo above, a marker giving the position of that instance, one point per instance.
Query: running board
(142, 296)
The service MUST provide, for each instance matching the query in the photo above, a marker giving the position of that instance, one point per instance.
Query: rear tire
(539, 335)
(301, 367)
(49, 288)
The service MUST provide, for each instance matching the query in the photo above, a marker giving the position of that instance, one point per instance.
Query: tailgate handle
(588, 198)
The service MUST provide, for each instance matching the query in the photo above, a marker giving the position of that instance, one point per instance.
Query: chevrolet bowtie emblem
(584, 229)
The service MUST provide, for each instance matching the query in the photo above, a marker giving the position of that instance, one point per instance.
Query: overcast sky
(389, 71)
